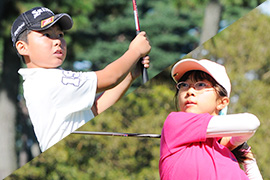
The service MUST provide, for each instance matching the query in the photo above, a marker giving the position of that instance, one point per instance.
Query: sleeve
(182, 128)
(240, 126)
(252, 170)
(74, 91)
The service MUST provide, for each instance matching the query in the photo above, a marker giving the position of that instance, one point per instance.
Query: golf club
(140, 135)
(138, 30)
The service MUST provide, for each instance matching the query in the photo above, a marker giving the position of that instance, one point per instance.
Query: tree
(8, 93)
(211, 20)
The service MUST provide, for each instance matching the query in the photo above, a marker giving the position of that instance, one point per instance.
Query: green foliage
(103, 30)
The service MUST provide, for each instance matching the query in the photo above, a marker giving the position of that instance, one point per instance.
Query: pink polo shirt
(186, 153)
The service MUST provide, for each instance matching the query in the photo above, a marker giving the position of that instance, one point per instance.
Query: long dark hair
(197, 75)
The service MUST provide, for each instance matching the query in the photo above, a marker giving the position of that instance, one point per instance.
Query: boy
(61, 101)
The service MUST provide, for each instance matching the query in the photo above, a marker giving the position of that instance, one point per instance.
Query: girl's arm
(235, 130)
(240, 127)
(251, 168)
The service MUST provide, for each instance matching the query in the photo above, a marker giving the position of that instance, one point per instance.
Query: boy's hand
(136, 71)
(140, 44)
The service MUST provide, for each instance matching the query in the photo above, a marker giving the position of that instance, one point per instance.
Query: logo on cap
(45, 22)
(18, 29)
(37, 12)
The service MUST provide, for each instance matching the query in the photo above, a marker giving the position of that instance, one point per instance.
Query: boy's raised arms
(116, 71)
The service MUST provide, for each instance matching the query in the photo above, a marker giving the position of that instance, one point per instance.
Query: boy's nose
(57, 42)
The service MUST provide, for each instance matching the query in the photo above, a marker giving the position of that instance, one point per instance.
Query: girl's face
(199, 101)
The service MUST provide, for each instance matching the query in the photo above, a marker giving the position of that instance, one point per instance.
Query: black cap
(38, 19)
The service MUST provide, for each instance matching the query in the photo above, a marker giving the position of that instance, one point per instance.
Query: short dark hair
(23, 37)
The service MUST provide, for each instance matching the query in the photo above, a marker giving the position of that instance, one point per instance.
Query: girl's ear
(222, 103)
(22, 48)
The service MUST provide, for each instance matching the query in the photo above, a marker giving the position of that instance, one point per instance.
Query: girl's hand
(225, 141)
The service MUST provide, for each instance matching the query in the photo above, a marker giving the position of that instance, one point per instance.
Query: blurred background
(101, 33)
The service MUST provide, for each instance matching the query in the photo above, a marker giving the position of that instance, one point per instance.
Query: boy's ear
(22, 48)
(223, 102)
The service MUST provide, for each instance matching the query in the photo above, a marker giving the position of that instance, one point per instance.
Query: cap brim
(180, 68)
(64, 20)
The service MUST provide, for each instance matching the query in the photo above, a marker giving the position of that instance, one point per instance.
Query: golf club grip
(144, 70)
(144, 75)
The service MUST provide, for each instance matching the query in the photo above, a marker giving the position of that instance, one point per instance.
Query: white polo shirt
(58, 101)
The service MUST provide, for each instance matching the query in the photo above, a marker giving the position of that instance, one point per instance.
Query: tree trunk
(8, 109)
(211, 20)
(210, 27)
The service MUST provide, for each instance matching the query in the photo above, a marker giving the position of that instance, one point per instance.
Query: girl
(196, 143)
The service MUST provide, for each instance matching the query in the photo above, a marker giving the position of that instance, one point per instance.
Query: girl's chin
(192, 110)
(198, 112)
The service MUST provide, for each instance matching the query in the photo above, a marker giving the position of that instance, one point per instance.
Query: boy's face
(46, 49)
(199, 101)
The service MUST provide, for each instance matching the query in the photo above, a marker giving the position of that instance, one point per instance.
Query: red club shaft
(136, 16)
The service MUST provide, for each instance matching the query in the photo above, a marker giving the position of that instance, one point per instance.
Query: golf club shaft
(140, 135)
(138, 29)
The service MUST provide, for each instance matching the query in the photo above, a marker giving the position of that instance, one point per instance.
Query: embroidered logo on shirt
(71, 78)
